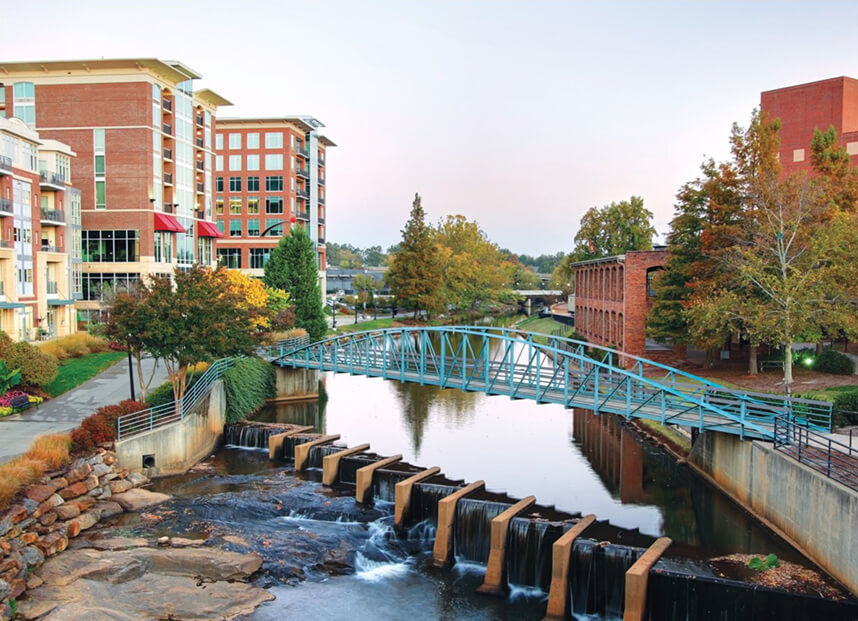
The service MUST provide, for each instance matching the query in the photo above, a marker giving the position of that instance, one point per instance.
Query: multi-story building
(806, 107)
(145, 160)
(268, 172)
(39, 234)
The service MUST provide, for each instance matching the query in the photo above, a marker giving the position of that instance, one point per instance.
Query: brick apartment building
(816, 105)
(40, 232)
(268, 171)
(144, 139)
(612, 298)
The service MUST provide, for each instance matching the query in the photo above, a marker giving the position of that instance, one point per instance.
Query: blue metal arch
(510, 362)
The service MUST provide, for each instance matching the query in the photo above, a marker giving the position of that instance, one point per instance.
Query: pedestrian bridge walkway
(549, 369)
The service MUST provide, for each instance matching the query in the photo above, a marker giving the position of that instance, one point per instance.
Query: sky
(520, 115)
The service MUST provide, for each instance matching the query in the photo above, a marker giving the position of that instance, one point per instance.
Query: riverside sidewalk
(65, 412)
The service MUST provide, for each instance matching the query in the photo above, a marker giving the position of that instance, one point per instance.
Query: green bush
(247, 385)
(832, 361)
(844, 400)
(164, 393)
(36, 368)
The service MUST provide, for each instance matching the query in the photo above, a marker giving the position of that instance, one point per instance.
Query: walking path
(65, 412)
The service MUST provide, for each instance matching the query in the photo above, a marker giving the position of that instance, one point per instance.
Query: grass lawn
(372, 324)
(75, 371)
(544, 325)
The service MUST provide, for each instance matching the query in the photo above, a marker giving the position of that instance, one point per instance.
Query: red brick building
(816, 105)
(268, 171)
(612, 298)
(145, 159)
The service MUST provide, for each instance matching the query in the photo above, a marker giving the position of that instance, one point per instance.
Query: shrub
(247, 386)
(51, 449)
(832, 361)
(36, 368)
(164, 393)
(16, 474)
(5, 342)
(101, 426)
(73, 346)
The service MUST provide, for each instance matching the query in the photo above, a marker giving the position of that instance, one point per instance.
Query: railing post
(596, 390)
(744, 411)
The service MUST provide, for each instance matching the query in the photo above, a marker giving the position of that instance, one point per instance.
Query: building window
(99, 167)
(219, 206)
(235, 228)
(219, 142)
(274, 205)
(274, 231)
(234, 141)
(273, 161)
(218, 184)
(229, 257)
(235, 206)
(218, 162)
(220, 226)
(273, 140)
(109, 246)
(163, 247)
(252, 204)
(253, 140)
(253, 162)
(274, 183)
(253, 227)
(96, 284)
(253, 184)
(259, 257)
(235, 184)
(235, 162)
(24, 94)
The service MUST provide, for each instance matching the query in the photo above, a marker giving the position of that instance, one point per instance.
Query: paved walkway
(65, 412)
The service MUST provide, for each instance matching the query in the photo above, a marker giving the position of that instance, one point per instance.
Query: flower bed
(15, 401)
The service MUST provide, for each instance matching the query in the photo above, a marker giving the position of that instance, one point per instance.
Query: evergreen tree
(292, 268)
(415, 271)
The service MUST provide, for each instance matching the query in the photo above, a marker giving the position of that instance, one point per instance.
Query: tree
(563, 276)
(839, 180)
(365, 286)
(374, 256)
(614, 229)
(129, 321)
(414, 275)
(292, 268)
(195, 317)
(254, 298)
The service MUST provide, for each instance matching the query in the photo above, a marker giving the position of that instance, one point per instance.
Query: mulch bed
(789, 576)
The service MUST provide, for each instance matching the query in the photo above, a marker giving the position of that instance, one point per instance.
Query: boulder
(73, 491)
(99, 470)
(85, 503)
(39, 493)
(120, 486)
(88, 519)
(67, 511)
(136, 479)
(136, 499)
(107, 509)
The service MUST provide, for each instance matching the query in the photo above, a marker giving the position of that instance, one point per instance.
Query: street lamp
(130, 370)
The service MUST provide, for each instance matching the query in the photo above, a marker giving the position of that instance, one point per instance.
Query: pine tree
(415, 272)
(292, 268)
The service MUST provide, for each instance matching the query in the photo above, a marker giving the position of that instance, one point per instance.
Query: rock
(17, 513)
(100, 470)
(136, 499)
(52, 544)
(5, 525)
(5, 589)
(85, 503)
(107, 509)
(48, 518)
(28, 538)
(109, 459)
(73, 491)
(72, 529)
(59, 483)
(39, 493)
(107, 477)
(136, 479)
(34, 581)
(54, 500)
(162, 541)
(96, 459)
(79, 472)
(67, 511)
(120, 486)
(32, 556)
(87, 520)
(181, 542)
(91, 482)
(18, 587)
(116, 543)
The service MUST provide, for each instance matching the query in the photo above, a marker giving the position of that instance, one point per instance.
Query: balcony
(303, 194)
(52, 181)
(199, 119)
(5, 206)
(321, 160)
(168, 207)
(168, 154)
(200, 166)
(303, 151)
(53, 217)
(51, 286)
(321, 200)
(167, 105)
(321, 219)
(200, 214)
(200, 142)
(321, 180)
(167, 128)
(303, 215)
(5, 165)
(302, 172)
(201, 188)
(168, 178)
(50, 248)
(7, 244)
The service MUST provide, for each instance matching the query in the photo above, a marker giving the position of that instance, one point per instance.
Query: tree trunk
(819, 346)
(787, 366)
(415, 312)
(710, 358)
(752, 360)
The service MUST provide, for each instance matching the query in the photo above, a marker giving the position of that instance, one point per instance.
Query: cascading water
(248, 436)
(528, 552)
(472, 529)
(424, 501)
(597, 580)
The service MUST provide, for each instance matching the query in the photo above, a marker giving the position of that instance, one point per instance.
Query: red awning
(166, 222)
(207, 229)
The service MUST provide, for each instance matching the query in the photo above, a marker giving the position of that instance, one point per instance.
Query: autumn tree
(129, 322)
(414, 275)
(614, 229)
(365, 286)
(254, 298)
(195, 317)
(292, 267)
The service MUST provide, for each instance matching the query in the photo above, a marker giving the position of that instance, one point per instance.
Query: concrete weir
(495, 580)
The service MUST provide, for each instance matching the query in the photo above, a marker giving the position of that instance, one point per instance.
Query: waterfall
(472, 530)
(597, 581)
(318, 453)
(424, 501)
(528, 552)
(248, 436)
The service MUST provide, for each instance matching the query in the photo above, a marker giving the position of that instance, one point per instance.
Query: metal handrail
(158, 416)
(836, 460)
(53, 215)
(6, 205)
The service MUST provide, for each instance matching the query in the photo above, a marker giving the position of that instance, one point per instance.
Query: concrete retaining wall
(178, 446)
(816, 514)
(296, 383)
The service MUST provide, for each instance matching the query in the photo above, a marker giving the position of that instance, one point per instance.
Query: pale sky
(520, 115)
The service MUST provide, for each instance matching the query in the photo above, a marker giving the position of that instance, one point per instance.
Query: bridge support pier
(442, 552)
(495, 580)
(295, 384)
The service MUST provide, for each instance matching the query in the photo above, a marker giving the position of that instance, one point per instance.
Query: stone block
(87, 520)
(73, 491)
(59, 482)
(50, 504)
(120, 486)
(39, 493)
(48, 518)
(91, 482)
(28, 538)
(79, 472)
(72, 529)
(29, 505)
(84, 503)
(136, 479)
(107, 509)
(68, 511)
(99, 470)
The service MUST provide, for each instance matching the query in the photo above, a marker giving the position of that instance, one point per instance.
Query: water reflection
(578, 461)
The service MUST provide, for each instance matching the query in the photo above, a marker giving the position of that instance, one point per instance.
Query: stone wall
(59, 507)
(814, 513)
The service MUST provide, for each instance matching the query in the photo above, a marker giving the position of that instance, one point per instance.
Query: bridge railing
(836, 460)
(158, 416)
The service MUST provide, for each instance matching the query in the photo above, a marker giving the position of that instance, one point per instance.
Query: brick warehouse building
(612, 298)
(268, 171)
(816, 105)
(145, 160)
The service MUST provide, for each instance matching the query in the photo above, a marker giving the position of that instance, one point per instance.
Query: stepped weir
(585, 565)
